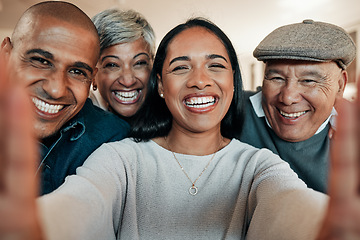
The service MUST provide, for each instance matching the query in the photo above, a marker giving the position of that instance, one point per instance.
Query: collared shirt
(76, 140)
(256, 100)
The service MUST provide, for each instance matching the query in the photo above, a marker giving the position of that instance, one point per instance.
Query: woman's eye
(217, 66)
(180, 69)
(111, 65)
(141, 63)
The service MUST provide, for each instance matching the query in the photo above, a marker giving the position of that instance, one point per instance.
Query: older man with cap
(305, 74)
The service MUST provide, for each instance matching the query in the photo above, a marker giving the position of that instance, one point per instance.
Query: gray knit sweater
(128, 190)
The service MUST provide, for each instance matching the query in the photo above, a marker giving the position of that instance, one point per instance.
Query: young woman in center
(185, 176)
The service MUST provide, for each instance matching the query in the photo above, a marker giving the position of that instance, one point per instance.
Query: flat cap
(309, 40)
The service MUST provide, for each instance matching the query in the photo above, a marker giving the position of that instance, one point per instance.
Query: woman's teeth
(46, 107)
(127, 96)
(292, 115)
(200, 102)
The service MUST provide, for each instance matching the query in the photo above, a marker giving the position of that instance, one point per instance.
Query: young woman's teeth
(200, 102)
(292, 115)
(45, 107)
(127, 96)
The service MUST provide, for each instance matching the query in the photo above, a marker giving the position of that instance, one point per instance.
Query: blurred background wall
(246, 22)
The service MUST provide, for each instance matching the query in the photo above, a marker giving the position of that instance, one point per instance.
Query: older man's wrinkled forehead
(62, 11)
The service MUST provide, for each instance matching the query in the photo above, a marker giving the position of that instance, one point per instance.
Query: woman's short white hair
(115, 26)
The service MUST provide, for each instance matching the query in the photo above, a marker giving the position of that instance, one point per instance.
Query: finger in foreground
(21, 147)
(343, 177)
(19, 219)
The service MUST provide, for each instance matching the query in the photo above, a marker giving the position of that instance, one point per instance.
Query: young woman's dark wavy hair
(154, 119)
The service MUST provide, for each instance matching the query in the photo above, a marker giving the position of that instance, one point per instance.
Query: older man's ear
(340, 95)
(342, 83)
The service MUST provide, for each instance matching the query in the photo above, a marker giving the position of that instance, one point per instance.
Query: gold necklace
(193, 190)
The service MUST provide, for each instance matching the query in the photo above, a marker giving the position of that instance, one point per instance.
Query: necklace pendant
(193, 190)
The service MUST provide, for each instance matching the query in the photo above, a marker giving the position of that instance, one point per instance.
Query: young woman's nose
(199, 79)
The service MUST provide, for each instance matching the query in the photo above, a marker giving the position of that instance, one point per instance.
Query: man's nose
(290, 93)
(55, 86)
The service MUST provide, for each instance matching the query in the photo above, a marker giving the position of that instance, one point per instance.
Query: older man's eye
(275, 78)
(308, 81)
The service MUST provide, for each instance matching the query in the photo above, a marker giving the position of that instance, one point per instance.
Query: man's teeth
(127, 96)
(45, 107)
(200, 102)
(292, 115)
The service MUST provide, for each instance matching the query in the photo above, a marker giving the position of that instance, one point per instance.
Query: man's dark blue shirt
(75, 141)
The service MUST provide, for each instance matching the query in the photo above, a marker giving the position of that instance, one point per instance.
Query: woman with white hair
(127, 46)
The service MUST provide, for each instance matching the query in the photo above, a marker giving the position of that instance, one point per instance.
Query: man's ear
(160, 86)
(6, 47)
(342, 84)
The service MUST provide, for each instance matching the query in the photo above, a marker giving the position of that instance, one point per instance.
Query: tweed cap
(310, 41)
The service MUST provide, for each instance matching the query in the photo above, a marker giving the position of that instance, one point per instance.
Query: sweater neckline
(189, 156)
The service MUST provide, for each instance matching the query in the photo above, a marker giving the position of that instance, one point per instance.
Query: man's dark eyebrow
(39, 51)
(83, 65)
(182, 58)
(213, 56)
(50, 56)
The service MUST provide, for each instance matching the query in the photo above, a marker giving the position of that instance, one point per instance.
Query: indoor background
(246, 22)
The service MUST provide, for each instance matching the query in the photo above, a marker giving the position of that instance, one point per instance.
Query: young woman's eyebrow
(213, 56)
(182, 58)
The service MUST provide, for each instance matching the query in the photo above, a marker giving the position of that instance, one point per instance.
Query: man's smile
(46, 107)
(292, 115)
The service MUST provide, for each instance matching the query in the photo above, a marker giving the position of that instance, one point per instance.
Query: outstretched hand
(342, 220)
(18, 159)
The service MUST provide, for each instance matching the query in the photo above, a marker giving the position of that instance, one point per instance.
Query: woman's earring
(94, 87)
(161, 95)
